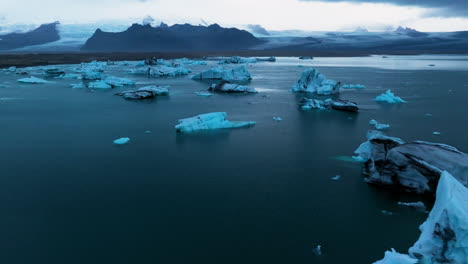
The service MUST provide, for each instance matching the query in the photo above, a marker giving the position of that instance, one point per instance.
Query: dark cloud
(448, 8)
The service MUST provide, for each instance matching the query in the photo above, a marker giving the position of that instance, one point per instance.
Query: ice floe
(203, 94)
(227, 87)
(276, 118)
(378, 125)
(77, 85)
(312, 81)
(416, 205)
(145, 92)
(237, 60)
(33, 80)
(122, 141)
(339, 105)
(389, 97)
(208, 122)
(237, 74)
(53, 72)
(353, 86)
(118, 82)
(99, 85)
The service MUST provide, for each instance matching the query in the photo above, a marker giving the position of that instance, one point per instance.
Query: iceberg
(99, 85)
(389, 97)
(203, 94)
(378, 125)
(339, 105)
(118, 82)
(227, 87)
(145, 92)
(312, 81)
(122, 141)
(393, 257)
(353, 86)
(69, 76)
(161, 71)
(238, 74)
(269, 59)
(237, 60)
(32, 79)
(91, 75)
(416, 205)
(208, 122)
(54, 72)
(415, 166)
(276, 118)
(94, 66)
(77, 85)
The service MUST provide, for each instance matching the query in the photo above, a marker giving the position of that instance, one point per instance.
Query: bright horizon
(271, 14)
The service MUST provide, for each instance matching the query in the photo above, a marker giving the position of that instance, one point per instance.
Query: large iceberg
(32, 79)
(237, 74)
(339, 105)
(415, 166)
(444, 234)
(208, 122)
(118, 82)
(145, 92)
(227, 87)
(389, 97)
(312, 81)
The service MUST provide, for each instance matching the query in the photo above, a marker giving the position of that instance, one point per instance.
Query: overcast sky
(314, 15)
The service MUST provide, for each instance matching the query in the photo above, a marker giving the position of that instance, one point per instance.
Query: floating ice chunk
(237, 60)
(94, 66)
(164, 71)
(339, 105)
(12, 69)
(436, 133)
(387, 213)
(353, 86)
(118, 82)
(378, 125)
(227, 87)
(91, 75)
(417, 205)
(444, 235)
(237, 74)
(185, 61)
(318, 250)
(69, 76)
(336, 178)
(122, 141)
(393, 257)
(208, 122)
(389, 97)
(54, 72)
(429, 115)
(312, 81)
(203, 94)
(145, 92)
(99, 85)
(32, 79)
(276, 118)
(78, 85)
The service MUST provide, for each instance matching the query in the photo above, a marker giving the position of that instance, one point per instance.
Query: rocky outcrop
(45, 33)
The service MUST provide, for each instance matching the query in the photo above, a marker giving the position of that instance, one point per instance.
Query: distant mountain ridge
(45, 33)
(179, 37)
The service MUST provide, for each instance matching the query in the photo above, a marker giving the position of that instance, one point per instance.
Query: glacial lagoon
(267, 193)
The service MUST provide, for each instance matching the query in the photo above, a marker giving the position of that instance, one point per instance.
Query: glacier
(312, 81)
(209, 121)
(389, 97)
(237, 74)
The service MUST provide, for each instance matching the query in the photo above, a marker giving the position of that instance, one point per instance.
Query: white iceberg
(312, 81)
(99, 85)
(393, 257)
(118, 82)
(32, 79)
(353, 86)
(122, 141)
(70, 76)
(389, 97)
(227, 87)
(378, 125)
(185, 61)
(237, 74)
(208, 122)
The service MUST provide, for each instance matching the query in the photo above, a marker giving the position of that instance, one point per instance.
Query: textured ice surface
(389, 97)
(208, 122)
(237, 74)
(32, 79)
(339, 105)
(393, 257)
(312, 81)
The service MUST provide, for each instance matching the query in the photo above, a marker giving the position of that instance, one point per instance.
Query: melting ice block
(312, 81)
(339, 105)
(237, 74)
(389, 97)
(145, 92)
(227, 87)
(208, 122)
(118, 82)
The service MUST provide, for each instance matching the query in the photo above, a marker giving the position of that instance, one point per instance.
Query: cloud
(258, 29)
(444, 8)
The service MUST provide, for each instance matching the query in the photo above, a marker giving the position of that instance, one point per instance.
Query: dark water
(257, 195)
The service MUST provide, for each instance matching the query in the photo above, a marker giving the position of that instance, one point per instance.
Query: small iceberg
(203, 94)
(339, 105)
(208, 122)
(145, 92)
(118, 82)
(436, 133)
(78, 85)
(389, 97)
(54, 72)
(276, 118)
(336, 178)
(378, 125)
(237, 74)
(91, 75)
(33, 80)
(416, 205)
(165, 71)
(354, 86)
(99, 85)
(237, 60)
(227, 87)
(122, 141)
(312, 81)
